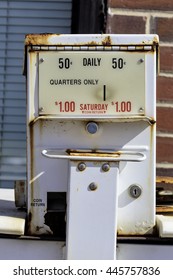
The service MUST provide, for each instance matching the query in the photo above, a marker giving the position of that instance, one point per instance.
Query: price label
(91, 83)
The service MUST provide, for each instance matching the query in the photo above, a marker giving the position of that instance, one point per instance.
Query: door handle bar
(114, 156)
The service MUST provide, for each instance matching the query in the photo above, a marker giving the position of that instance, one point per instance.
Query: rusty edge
(105, 40)
(46, 39)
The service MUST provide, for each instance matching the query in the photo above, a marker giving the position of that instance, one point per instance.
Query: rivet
(93, 186)
(135, 191)
(81, 166)
(105, 167)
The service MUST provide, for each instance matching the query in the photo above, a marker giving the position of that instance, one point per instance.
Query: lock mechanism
(135, 191)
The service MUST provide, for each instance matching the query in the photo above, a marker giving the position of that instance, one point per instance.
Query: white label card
(91, 83)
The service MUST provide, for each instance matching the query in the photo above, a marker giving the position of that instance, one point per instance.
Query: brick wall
(151, 16)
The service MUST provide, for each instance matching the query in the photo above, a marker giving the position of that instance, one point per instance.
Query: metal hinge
(93, 48)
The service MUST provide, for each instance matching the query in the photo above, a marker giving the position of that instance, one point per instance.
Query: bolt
(135, 191)
(93, 186)
(106, 167)
(81, 166)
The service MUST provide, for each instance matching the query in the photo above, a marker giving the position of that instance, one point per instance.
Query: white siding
(18, 18)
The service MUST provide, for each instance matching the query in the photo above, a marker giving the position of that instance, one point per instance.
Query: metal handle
(119, 156)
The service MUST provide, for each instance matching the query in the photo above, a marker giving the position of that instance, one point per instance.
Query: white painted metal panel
(50, 133)
(92, 214)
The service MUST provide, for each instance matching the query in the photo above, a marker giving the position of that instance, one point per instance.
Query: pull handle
(86, 156)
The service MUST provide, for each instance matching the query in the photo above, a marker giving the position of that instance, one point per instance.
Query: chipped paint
(39, 39)
(100, 39)
(107, 41)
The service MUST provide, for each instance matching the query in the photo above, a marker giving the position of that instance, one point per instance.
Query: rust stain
(163, 179)
(44, 39)
(93, 153)
(155, 41)
(92, 43)
(164, 209)
(38, 39)
(107, 41)
(152, 121)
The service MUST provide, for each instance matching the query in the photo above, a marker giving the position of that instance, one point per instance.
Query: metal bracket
(92, 212)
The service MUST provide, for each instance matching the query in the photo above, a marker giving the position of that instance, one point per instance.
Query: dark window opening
(55, 217)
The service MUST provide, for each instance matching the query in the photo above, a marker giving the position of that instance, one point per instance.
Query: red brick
(164, 119)
(164, 5)
(126, 24)
(164, 89)
(164, 149)
(163, 27)
(166, 59)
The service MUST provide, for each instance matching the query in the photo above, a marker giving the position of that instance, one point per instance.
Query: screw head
(81, 166)
(41, 109)
(135, 191)
(41, 60)
(92, 127)
(141, 110)
(93, 186)
(106, 167)
(141, 60)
